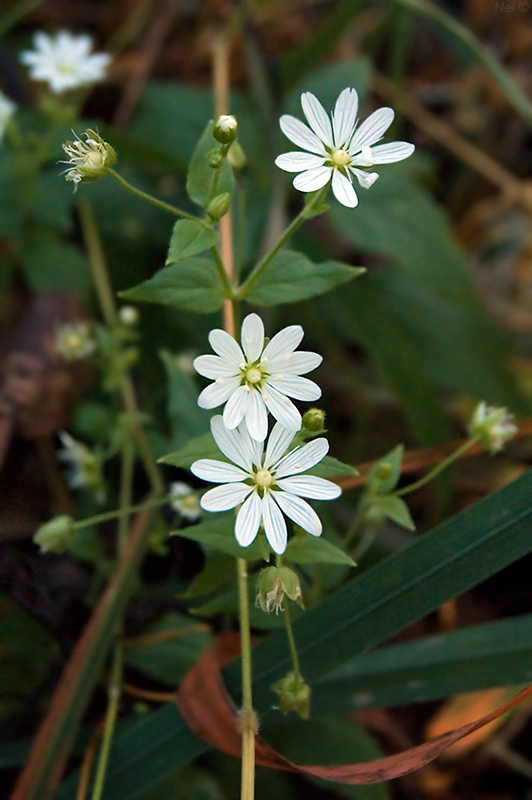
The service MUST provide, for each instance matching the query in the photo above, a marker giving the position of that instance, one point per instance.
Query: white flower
(339, 150)
(74, 341)
(267, 484)
(65, 62)
(84, 466)
(254, 379)
(7, 109)
(184, 500)
(492, 426)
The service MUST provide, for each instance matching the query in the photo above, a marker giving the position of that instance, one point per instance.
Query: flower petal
(301, 459)
(282, 344)
(256, 416)
(297, 161)
(248, 520)
(294, 363)
(299, 511)
(208, 469)
(310, 486)
(345, 117)
(295, 386)
(222, 498)
(218, 392)
(372, 129)
(299, 134)
(274, 524)
(312, 179)
(343, 190)
(225, 346)
(281, 408)
(235, 408)
(317, 118)
(213, 367)
(365, 179)
(391, 152)
(279, 441)
(232, 444)
(252, 336)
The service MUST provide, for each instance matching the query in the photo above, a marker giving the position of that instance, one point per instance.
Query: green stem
(229, 291)
(110, 721)
(248, 719)
(437, 469)
(289, 631)
(126, 490)
(244, 289)
(119, 512)
(356, 524)
(150, 199)
(97, 263)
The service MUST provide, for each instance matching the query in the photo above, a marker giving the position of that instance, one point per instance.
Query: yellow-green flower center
(253, 375)
(264, 478)
(340, 158)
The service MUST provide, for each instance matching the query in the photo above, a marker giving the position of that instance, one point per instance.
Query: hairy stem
(178, 212)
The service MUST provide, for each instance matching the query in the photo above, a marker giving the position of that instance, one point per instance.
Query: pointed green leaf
(200, 176)
(330, 467)
(190, 238)
(394, 508)
(218, 533)
(192, 284)
(315, 550)
(200, 447)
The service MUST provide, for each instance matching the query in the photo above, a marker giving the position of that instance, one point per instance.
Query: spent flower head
(65, 61)
(75, 341)
(267, 484)
(257, 377)
(7, 109)
(56, 534)
(184, 500)
(492, 426)
(339, 151)
(89, 160)
(273, 584)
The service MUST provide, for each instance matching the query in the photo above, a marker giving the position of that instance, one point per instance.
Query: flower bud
(314, 421)
(236, 156)
(491, 426)
(384, 470)
(294, 695)
(273, 584)
(128, 316)
(219, 206)
(215, 159)
(225, 129)
(90, 159)
(55, 536)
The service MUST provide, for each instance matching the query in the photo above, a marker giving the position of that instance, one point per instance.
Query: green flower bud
(374, 516)
(294, 695)
(90, 159)
(219, 206)
(384, 470)
(55, 536)
(273, 584)
(236, 156)
(225, 129)
(215, 159)
(492, 427)
(314, 420)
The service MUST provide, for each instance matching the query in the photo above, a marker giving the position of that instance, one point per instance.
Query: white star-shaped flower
(254, 379)
(266, 484)
(65, 62)
(337, 151)
(7, 109)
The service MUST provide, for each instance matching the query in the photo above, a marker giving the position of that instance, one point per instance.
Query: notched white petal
(232, 445)
(299, 134)
(225, 346)
(296, 387)
(248, 520)
(310, 486)
(391, 152)
(208, 469)
(223, 498)
(279, 441)
(300, 512)
(217, 393)
(343, 190)
(274, 524)
(317, 118)
(312, 179)
(297, 161)
(345, 117)
(372, 129)
(252, 336)
(302, 459)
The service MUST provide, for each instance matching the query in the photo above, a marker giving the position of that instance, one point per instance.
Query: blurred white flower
(254, 379)
(267, 484)
(7, 109)
(74, 341)
(184, 500)
(84, 468)
(338, 151)
(492, 426)
(65, 61)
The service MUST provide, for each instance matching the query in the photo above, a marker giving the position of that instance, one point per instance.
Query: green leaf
(192, 284)
(218, 574)
(291, 277)
(169, 660)
(330, 467)
(190, 238)
(186, 417)
(394, 458)
(200, 447)
(315, 550)
(200, 176)
(51, 263)
(394, 508)
(218, 533)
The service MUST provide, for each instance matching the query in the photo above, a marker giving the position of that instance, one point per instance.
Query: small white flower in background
(492, 426)
(267, 484)
(74, 341)
(65, 61)
(7, 109)
(129, 316)
(184, 500)
(338, 151)
(254, 379)
(89, 160)
(84, 469)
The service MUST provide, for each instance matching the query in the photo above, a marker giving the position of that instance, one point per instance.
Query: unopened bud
(236, 156)
(384, 470)
(273, 584)
(294, 695)
(55, 536)
(128, 316)
(219, 206)
(314, 420)
(492, 427)
(215, 159)
(225, 129)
